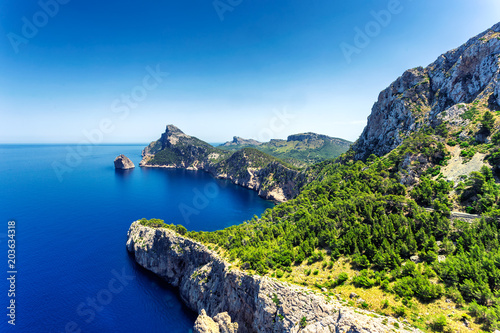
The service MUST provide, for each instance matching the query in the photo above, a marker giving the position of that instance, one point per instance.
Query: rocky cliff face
(247, 167)
(237, 141)
(122, 162)
(229, 300)
(423, 96)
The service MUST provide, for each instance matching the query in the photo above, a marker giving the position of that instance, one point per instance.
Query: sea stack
(122, 162)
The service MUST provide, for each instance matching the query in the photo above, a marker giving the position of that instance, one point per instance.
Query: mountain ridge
(271, 178)
(300, 150)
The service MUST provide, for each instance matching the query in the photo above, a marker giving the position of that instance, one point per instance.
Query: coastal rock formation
(426, 96)
(229, 300)
(122, 162)
(237, 141)
(247, 167)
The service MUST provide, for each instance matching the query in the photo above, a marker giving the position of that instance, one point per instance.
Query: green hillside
(300, 150)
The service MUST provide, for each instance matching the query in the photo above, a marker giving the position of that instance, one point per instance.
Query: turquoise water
(72, 215)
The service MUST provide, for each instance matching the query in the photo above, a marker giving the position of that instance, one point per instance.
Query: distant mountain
(300, 150)
(240, 142)
(272, 178)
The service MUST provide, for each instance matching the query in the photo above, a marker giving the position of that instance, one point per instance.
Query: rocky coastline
(229, 300)
(248, 168)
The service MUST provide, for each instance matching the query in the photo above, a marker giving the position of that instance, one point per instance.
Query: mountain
(460, 84)
(299, 150)
(240, 142)
(381, 228)
(272, 178)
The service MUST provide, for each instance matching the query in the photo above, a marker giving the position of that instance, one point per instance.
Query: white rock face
(229, 300)
(458, 76)
(122, 162)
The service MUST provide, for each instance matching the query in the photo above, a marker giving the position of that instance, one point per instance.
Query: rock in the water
(122, 162)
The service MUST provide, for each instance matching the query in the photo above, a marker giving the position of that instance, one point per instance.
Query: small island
(122, 162)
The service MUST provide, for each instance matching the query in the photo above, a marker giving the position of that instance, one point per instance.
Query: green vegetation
(303, 322)
(356, 226)
(301, 150)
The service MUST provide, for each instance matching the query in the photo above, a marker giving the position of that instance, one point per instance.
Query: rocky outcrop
(247, 167)
(229, 300)
(318, 139)
(423, 96)
(122, 162)
(237, 141)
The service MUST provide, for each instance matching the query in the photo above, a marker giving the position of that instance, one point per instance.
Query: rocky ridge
(427, 96)
(247, 167)
(122, 162)
(237, 141)
(228, 300)
(300, 150)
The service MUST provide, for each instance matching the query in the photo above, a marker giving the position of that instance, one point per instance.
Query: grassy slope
(355, 210)
(300, 153)
(352, 203)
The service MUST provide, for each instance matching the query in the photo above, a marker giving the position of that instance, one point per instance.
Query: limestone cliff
(248, 167)
(427, 96)
(229, 300)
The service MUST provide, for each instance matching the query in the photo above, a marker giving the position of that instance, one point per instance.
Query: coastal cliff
(426, 97)
(248, 167)
(229, 300)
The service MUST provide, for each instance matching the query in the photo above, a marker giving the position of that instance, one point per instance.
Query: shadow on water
(123, 174)
(172, 298)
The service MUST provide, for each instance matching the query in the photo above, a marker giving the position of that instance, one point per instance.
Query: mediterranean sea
(72, 213)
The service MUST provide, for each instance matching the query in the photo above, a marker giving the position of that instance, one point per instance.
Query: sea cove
(73, 270)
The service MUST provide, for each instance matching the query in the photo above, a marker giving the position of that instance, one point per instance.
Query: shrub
(303, 322)
(439, 323)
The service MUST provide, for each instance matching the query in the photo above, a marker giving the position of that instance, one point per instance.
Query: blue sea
(72, 211)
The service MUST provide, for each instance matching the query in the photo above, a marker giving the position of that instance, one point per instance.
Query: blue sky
(81, 70)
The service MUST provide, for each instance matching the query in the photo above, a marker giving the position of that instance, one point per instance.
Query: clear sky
(73, 71)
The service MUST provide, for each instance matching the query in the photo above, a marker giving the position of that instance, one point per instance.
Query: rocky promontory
(247, 167)
(122, 162)
(229, 300)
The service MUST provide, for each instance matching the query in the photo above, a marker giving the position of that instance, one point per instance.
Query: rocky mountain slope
(432, 140)
(241, 143)
(248, 167)
(239, 302)
(435, 95)
(300, 150)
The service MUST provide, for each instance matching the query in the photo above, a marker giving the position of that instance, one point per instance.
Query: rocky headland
(229, 300)
(248, 167)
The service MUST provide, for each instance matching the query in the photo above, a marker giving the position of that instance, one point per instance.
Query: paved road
(459, 215)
